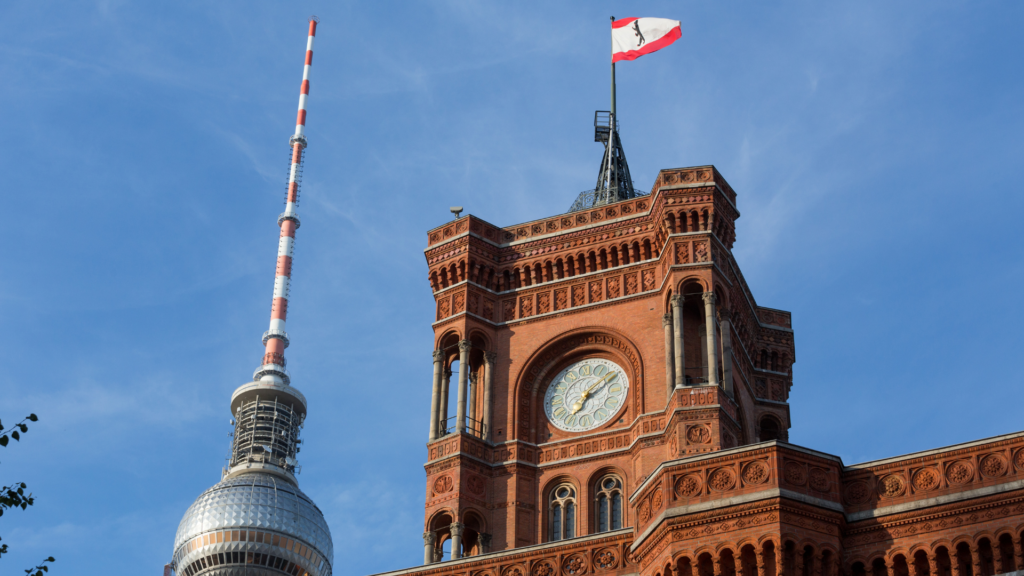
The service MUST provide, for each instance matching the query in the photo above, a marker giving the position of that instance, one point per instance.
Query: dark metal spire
(613, 179)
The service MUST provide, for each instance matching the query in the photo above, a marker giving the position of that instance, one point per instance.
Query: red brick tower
(592, 347)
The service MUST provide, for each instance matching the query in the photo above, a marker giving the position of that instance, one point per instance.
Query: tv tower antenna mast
(276, 338)
(259, 493)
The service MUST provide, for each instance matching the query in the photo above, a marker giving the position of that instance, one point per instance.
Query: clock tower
(576, 354)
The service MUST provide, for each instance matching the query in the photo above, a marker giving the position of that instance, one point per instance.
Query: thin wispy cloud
(145, 165)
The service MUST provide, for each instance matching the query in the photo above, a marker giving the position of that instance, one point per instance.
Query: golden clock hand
(578, 405)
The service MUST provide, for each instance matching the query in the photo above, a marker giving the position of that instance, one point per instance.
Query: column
(709, 314)
(716, 561)
(677, 327)
(1018, 552)
(780, 559)
(485, 541)
(428, 547)
(889, 567)
(975, 560)
(954, 562)
(443, 412)
(933, 565)
(759, 556)
(489, 358)
(456, 529)
(997, 556)
(471, 401)
(435, 396)
(670, 370)
(816, 562)
(726, 352)
(460, 414)
(798, 560)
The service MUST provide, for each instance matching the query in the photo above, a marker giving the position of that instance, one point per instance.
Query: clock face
(586, 395)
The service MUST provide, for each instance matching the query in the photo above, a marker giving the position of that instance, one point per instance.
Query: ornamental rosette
(687, 486)
(891, 486)
(755, 473)
(959, 472)
(993, 466)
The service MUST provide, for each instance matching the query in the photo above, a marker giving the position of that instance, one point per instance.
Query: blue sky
(875, 148)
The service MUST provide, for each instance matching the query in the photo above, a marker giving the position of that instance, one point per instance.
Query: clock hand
(578, 405)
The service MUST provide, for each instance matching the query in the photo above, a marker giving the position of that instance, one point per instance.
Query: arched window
(770, 429)
(608, 493)
(562, 509)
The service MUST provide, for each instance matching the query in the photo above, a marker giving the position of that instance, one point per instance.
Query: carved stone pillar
(484, 539)
(717, 563)
(759, 556)
(460, 414)
(933, 565)
(954, 562)
(677, 328)
(489, 358)
(1018, 552)
(471, 401)
(435, 396)
(726, 352)
(975, 560)
(442, 420)
(456, 529)
(780, 560)
(997, 556)
(670, 370)
(798, 563)
(816, 559)
(428, 547)
(709, 314)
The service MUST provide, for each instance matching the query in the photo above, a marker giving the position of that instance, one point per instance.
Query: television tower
(256, 516)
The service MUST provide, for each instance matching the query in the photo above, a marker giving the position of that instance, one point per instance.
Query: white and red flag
(634, 37)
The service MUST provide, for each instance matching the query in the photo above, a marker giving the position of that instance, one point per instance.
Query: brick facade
(711, 488)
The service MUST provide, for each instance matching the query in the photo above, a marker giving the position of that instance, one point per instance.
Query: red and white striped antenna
(276, 338)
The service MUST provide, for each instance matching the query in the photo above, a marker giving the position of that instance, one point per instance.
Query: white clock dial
(587, 394)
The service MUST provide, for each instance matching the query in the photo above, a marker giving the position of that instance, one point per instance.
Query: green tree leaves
(14, 496)
(16, 431)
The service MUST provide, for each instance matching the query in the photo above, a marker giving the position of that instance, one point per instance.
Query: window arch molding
(562, 509)
(608, 500)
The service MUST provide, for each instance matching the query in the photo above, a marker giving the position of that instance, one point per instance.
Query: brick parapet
(605, 554)
(784, 490)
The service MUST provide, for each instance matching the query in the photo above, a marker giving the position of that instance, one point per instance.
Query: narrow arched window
(562, 509)
(608, 503)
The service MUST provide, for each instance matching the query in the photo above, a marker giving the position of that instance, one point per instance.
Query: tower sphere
(254, 524)
(256, 521)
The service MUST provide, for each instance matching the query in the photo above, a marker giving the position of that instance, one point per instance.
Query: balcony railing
(473, 427)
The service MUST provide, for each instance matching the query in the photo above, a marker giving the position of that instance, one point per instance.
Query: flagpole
(612, 55)
(611, 129)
